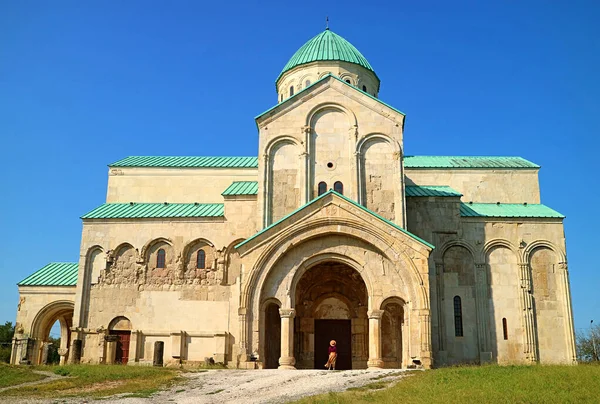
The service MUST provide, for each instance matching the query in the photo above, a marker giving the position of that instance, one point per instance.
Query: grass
(11, 375)
(481, 384)
(97, 381)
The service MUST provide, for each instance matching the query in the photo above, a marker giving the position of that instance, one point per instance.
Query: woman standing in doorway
(332, 355)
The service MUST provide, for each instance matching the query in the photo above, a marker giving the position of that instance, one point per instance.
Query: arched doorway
(120, 327)
(61, 312)
(272, 335)
(392, 333)
(331, 303)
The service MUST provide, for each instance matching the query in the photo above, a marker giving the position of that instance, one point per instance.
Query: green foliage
(588, 345)
(53, 356)
(11, 375)
(7, 331)
(481, 384)
(97, 381)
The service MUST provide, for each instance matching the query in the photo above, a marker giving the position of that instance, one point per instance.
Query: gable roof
(155, 210)
(53, 274)
(187, 161)
(533, 210)
(332, 192)
(304, 90)
(430, 190)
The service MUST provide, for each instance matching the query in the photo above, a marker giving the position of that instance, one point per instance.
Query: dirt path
(49, 378)
(262, 386)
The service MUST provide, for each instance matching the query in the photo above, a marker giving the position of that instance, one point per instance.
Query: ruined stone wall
(379, 176)
(482, 185)
(285, 184)
(182, 296)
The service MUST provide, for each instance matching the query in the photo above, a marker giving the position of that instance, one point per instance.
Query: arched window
(458, 324)
(365, 89)
(160, 258)
(505, 328)
(322, 188)
(348, 81)
(338, 187)
(307, 83)
(201, 259)
(291, 90)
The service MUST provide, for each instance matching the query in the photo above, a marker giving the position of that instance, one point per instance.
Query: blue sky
(83, 84)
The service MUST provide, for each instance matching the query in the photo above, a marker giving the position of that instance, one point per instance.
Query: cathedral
(330, 232)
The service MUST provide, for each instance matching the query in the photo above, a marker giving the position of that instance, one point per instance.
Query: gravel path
(263, 386)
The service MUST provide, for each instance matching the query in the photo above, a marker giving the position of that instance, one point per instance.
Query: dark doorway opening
(273, 336)
(341, 332)
(122, 354)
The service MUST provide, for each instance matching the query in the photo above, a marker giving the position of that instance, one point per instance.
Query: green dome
(326, 46)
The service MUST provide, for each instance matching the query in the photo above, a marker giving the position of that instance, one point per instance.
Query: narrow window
(291, 90)
(201, 260)
(365, 89)
(458, 324)
(322, 188)
(307, 83)
(338, 187)
(160, 258)
(505, 328)
(348, 81)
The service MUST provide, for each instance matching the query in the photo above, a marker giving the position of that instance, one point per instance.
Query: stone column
(243, 345)
(62, 352)
(111, 349)
(425, 354)
(375, 361)
(133, 345)
(439, 274)
(530, 345)
(287, 360)
(481, 301)
(564, 275)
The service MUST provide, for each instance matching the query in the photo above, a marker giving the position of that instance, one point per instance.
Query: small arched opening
(51, 331)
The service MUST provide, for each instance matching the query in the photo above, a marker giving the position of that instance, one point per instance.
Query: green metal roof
(53, 274)
(305, 89)
(330, 192)
(507, 210)
(430, 190)
(155, 210)
(242, 188)
(187, 161)
(466, 162)
(252, 162)
(326, 46)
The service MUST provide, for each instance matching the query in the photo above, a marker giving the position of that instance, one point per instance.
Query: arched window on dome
(348, 81)
(201, 259)
(322, 188)
(365, 89)
(291, 90)
(338, 187)
(307, 83)
(160, 258)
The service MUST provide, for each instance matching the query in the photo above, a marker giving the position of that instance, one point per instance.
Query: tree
(7, 331)
(588, 344)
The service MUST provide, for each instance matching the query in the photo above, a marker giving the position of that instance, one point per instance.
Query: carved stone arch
(146, 248)
(308, 76)
(321, 75)
(531, 247)
(441, 251)
(232, 262)
(185, 264)
(373, 136)
(352, 121)
(328, 226)
(392, 299)
(280, 139)
(111, 255)
(498, 242)
(326, 257)
(45, 318)
(120, 323)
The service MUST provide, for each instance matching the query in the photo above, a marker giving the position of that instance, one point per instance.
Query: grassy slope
(97, 381)
(11, 375)
(487, 384)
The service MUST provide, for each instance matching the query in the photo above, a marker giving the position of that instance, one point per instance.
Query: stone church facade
(332, 232)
